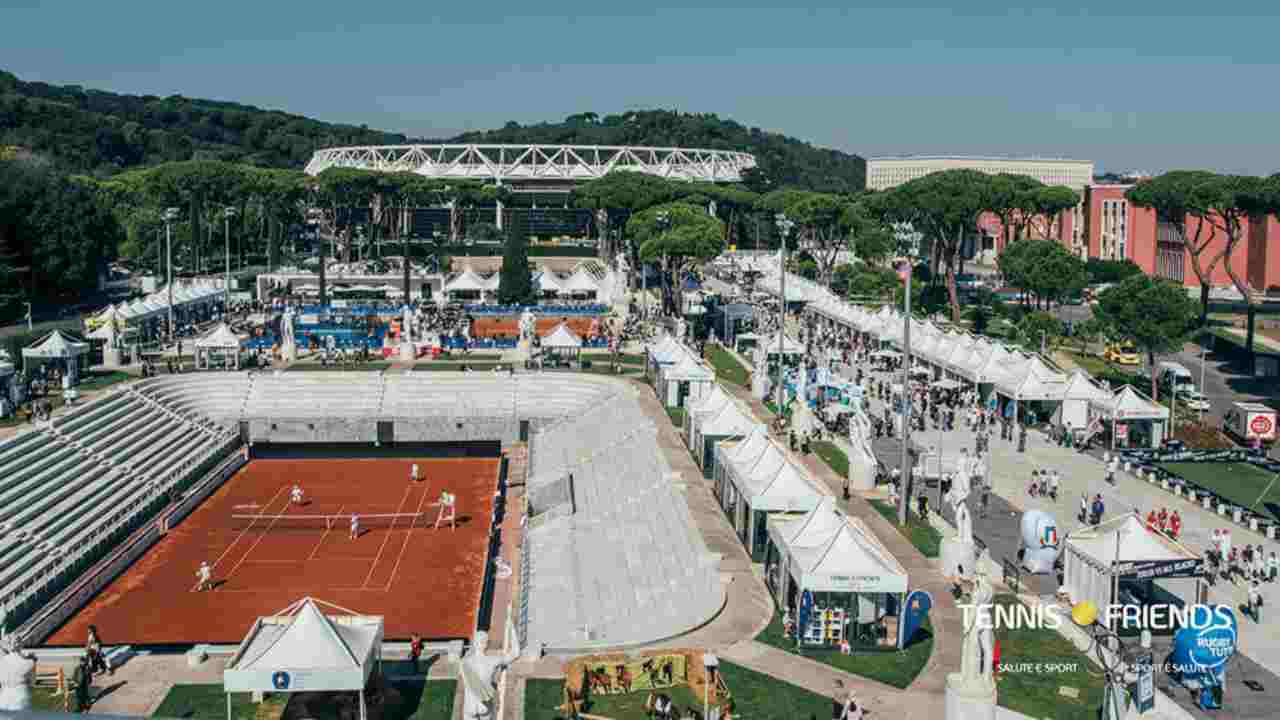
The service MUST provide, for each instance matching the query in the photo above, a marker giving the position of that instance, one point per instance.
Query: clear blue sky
(1132, 84)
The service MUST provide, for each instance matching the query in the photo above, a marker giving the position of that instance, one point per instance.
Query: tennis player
(448, 509)
(413, 473)
(205, 575)
(295, 495)
(355, 526)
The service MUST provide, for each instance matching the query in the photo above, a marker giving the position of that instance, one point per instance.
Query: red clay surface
(420, 579)
(510, 326)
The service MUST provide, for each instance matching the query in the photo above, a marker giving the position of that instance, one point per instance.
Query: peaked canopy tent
(1118, 561)
(580, 284)
(1081, 391)
(1131, 419)
(702, 408)
(687, 378)
(58, 347)
(754, 478)
(218, 347)
(548, 284)
(731, 420)
(665, 351)
(467, 285)
(301, 648)
(562, 341)
(857, 585)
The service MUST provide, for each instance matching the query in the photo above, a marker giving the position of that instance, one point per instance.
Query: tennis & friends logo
(1052, 616)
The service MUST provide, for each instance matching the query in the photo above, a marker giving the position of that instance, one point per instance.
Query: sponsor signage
(1160, 569)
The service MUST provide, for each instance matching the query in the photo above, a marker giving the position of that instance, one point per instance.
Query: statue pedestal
(965, 702)
(406, 352)
(289, 353)
(111, 356)
(957, 553)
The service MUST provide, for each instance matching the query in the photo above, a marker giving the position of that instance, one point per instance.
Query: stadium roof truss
(537, 162)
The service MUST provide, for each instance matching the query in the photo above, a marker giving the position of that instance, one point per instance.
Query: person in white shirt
(448, 509)
(1255, 601)
(1273, 567)
(1112, 468)
(204, 577)
(413, 473)
(295, 495)
(355, 526)
(1054, 480)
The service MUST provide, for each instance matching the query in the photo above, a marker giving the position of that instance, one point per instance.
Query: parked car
(1193, 399)
(1122, 354)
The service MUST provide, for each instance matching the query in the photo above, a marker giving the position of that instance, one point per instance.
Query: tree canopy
(1043, 268)
(1156, 315)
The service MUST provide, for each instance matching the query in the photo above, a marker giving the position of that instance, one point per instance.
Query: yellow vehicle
(1122, 354)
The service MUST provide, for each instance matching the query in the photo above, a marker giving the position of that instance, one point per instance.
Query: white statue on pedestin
(978, 651)
(958, 496)
(16, 671)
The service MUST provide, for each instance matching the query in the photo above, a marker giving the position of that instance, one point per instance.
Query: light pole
(227, 213)
(710, 663)
(664, 224)
(29, 320)
(784, 228)
(904, 496)
(170, 214)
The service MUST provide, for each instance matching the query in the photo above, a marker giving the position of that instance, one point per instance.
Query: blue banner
(917, 609)
(806, 609)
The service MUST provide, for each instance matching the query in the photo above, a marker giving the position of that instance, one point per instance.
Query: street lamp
(784, 229)
(227, 213)
(710, 664)
(170, 215)
(664, 224)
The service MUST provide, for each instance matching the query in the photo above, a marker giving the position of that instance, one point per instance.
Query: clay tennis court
(510, 326)
(421, 579)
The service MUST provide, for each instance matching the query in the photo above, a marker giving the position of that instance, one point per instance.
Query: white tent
(754, 476)
(548, 283)
(221, 343)
(303, 649)
(732, 420)
(466, 281)
(1096, 559)
(1031, 379)
(1080, 392)
(55, 346)
(789, 346)
(490, 283)
(706, 406)
(580, 282)
(829, 551)
(562, 340)
(686, 378)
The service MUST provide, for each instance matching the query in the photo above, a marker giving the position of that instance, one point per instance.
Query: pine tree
(515, 282)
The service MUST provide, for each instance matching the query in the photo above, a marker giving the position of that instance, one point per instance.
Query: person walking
(415, 651)
(1273, 567)
(1255, 601)
(1054, 481)
(1084, 508)
(93, 650)
(1113, 466)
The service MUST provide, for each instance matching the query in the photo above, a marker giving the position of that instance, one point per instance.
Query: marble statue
(958, 496)
(978, 650)
(680, 329)
(408, 326)
(480, 675)
(620, 263)
(528, 325)
(16, 673)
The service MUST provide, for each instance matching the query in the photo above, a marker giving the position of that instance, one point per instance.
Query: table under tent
(303, 649)
(855, 585)
(754, 477)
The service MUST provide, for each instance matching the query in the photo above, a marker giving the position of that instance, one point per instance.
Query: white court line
(323, 535)
(242, 532)
(407, 537)
(387, 538)
(274, 520)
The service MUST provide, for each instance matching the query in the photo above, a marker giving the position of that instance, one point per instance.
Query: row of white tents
(580, 282)
(962, 359)
(115, 318)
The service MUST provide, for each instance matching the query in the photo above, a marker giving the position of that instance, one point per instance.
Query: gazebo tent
(218, 344)
(562, 341)
(687, 378)
(580, 283)
(1117, 560)
(757, 480)
(852, 576)
(666, 351)
(466, 282)
(548, 284)
(732, 420)
(58, 347)
(1081, 390)
(303, 649)
(1132, 418)
(702, 408)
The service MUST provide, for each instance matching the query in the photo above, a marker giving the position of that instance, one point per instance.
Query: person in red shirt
(1152, 521)
(1175, 525)
(1163, 519)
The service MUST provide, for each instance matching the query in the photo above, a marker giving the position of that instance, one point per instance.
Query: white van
(1174, 377)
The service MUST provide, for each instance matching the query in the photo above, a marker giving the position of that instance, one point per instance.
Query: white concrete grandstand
(613, 557)
(506, 163)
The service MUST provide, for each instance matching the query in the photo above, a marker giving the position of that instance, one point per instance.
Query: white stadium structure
(611, 555)
(509, 164)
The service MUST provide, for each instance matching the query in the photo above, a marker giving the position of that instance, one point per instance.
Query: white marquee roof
(219, 337)
(56, 345)
(562, 337)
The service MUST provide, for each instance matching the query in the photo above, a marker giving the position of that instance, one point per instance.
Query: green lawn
(1241, 483)
(833, 456)
(208, 701)
(1037, 693)
(919, 532)
(727, 366)
(604, 368)
(100, 380)
(755, 697)
(623, 359)
(677, 416)
(890, 667)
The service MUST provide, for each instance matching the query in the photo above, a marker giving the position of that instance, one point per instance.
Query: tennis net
(323, 523)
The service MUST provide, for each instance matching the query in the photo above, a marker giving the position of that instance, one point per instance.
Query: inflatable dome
(1039, 541)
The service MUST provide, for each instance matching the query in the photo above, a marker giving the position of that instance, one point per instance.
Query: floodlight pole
(227, 214)
(904, 496)
(170, 214)
(784, 229)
